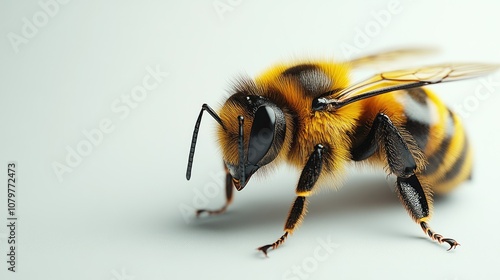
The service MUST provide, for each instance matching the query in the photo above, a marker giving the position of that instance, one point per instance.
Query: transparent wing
(392, 55)
(403, 79)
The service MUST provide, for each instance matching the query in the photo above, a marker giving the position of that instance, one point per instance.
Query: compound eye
(262, 134)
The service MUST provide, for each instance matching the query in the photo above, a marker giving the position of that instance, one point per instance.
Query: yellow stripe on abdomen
(451, 161)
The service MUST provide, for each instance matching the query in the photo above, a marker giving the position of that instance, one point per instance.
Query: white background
(117, 214)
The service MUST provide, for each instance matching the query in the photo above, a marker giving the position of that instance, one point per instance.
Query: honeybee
(309, 115)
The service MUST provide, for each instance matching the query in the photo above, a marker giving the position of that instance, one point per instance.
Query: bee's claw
(452, 242)
(264, 249)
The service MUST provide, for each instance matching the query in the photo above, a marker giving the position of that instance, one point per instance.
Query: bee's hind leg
(404, 160)
(417, 202)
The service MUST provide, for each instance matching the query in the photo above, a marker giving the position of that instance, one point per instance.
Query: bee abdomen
(439, 133)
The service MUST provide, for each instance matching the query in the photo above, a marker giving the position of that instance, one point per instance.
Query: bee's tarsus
(274, 245)
(229, 198)
(438, 237)
(199, 212)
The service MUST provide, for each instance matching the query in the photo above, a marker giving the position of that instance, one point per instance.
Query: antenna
(214, 115)
(241, 151)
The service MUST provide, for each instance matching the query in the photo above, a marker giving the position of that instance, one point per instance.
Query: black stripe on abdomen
(436, 160)
(458, 166)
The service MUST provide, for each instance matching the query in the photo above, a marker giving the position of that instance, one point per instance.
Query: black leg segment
(311, 171)
(400, 151)
(413, 197)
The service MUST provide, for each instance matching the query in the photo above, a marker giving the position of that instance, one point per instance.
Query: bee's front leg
(308, 178)
(229, 197)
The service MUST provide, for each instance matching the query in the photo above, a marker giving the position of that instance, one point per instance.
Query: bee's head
(251, 132)
(252, 135)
